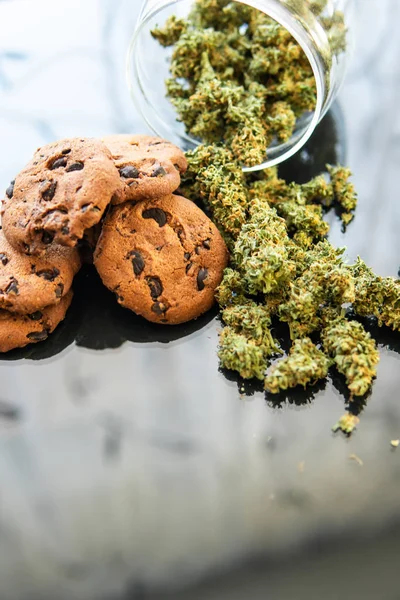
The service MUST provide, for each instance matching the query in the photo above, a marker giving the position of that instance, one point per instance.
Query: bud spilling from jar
(256, 76)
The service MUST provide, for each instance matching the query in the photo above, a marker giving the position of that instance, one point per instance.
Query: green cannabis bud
(215, 179)
(337, 31)
(326, 282)
(354, 353)
(303, 206)
(253, 321)
(347, 423)
(238, 353)
(171, 33)
(305, 364)
(231, 289)
(377, 296)
(344, 192)
(260, 251)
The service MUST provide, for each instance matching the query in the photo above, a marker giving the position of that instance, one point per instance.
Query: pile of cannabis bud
(283, 267)
(238, 81)
(240, 78)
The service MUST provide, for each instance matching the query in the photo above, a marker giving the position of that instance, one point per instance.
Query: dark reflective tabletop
(130, 465)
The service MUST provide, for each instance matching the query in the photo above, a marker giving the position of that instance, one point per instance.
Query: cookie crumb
(357, 459)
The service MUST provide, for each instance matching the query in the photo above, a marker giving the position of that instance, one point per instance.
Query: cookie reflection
(105, 324)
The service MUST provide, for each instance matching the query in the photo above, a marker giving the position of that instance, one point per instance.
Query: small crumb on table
(357, 459)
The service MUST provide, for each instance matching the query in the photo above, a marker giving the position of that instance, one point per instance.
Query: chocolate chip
(48, 189)
(157, 214)
(12, 287)
(76, 166)
(66, 151)
(36, 316)
(156, 287)
(188, 266)
(137, 262)
(3, 258)
(186, 255)
(47, 237)
(159, 308)
(129, 172)
(48, 274)
(38, 336)
(201, 276)
(159, 171)
(65, 230)
(10, 189)
(197, 249)
(59, 290)
(206, 244)
(58, 163)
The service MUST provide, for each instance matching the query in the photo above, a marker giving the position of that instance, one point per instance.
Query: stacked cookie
(35, 292)
(158, 252)
(62, 191)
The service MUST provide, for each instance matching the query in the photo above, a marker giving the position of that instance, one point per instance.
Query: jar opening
(163, 120)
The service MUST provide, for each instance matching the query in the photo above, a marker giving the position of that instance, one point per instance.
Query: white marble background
(197, 484)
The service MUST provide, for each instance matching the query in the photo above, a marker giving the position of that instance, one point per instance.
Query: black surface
(129, 463)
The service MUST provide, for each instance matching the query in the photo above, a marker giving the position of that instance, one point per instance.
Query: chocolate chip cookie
(29, 283)
(63, 191)
(17, 331)
(149, 167)
(163, 258)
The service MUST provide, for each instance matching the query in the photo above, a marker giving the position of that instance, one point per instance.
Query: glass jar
(148, 65)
